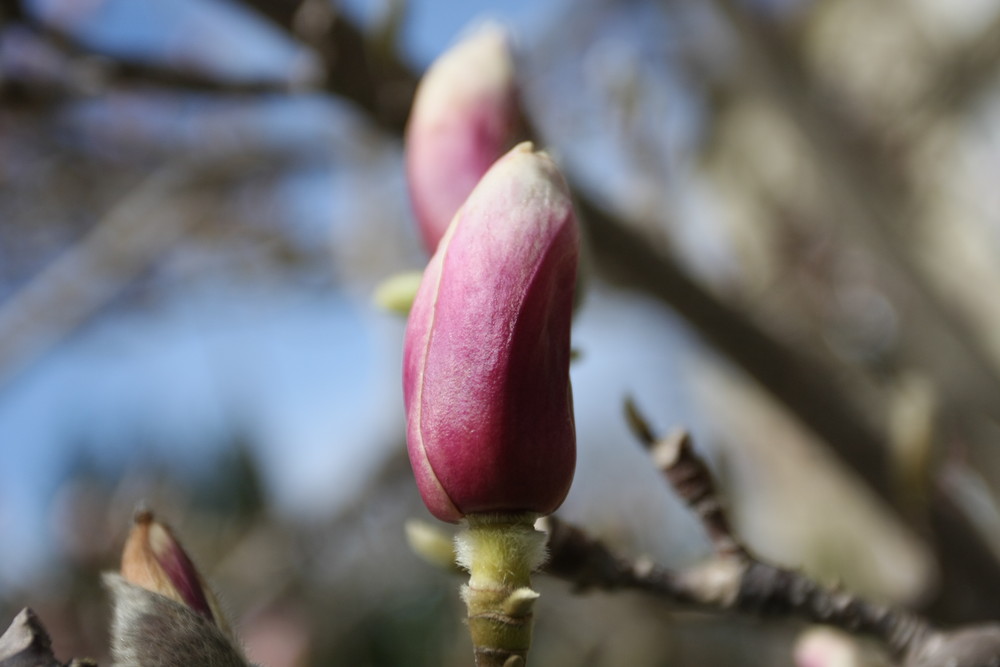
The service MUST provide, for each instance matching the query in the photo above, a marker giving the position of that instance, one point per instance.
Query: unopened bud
(165, 614)
(463, 119)
(826, 647)
(487, 348)
(155, 560)
(432, 544)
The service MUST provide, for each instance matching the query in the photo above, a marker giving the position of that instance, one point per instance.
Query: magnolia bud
(462, 120)
(165, 614)
(155, 560)
(486, 357)
(826, 647)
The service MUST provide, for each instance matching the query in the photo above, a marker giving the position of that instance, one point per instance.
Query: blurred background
(793, 223)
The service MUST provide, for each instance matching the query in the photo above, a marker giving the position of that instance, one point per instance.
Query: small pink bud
(487, 348)
(825, 647)
(164, 614)
(462, 120)
(155, 560)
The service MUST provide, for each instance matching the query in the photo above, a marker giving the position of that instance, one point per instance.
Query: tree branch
(108, 71)
(728, 584)
(736, 581)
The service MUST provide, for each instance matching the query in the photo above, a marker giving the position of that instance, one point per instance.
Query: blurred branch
(92, 71)
(811, 392)
(966, 74)
(282, 13)
(734, 580)
(372, 78)
(353, 68)
(760, 587)
(870, 186)
(725, 584)
(126, 242)
(800, 382)
(10, 10)
(363, 70)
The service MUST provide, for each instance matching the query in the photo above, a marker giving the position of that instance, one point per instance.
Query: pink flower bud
(155, 560)
(164, 613)
(825, 647)
(462, 121)
(486, 358)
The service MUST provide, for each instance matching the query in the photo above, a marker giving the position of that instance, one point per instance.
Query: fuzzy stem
(500, 552)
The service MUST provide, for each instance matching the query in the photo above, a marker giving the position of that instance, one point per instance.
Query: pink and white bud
(463, 119)
(164, 613)
(826, 647)
(153, 559)
(487, 348)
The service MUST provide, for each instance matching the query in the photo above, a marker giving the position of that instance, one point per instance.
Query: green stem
(500, 552)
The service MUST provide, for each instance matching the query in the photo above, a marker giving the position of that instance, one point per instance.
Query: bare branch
(965, 75)
(691, 480)
(725, 584)
(125, 243)
(107, 71)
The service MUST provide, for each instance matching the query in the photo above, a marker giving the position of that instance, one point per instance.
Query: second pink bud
(462, 120)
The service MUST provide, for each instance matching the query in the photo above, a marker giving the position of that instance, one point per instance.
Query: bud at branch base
(164, 613)
(154, 559)
(462, 120)
(486, 358)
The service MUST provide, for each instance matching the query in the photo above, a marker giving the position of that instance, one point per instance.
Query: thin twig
(690, 478)
(964, 77)
(736, 581)
(132, 237)
(757, 587)
(107, 73)
(727, 584)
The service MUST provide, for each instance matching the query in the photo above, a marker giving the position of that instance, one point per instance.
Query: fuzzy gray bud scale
(151, 630)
